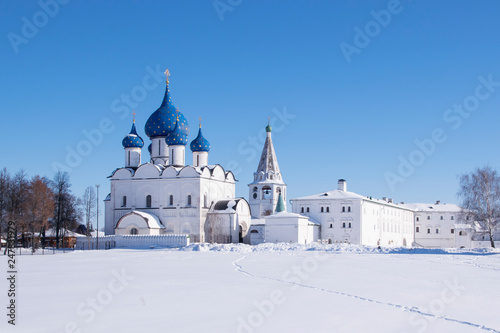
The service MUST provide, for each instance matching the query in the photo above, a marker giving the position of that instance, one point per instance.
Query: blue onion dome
(177, 137)
(150, 148)
(133, 140)
(200, 143)
(163, 121)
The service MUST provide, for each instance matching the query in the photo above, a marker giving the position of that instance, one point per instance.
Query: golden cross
(200, 121)
(133, 114)
(167, 73)
(268, 120)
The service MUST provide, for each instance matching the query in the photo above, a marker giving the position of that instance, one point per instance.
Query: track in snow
(416, 310)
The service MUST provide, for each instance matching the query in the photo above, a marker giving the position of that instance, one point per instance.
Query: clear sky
(349, 87)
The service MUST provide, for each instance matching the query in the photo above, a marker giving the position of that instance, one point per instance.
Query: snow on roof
(284, 215)
(441, 207)
(152, 220)
(67, 233)
(335, 194)
(94, 233)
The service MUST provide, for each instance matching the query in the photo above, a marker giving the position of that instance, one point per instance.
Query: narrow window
(129, 157)
(205, 201)
(328, 209)
(308, 209)
(124, 201)
(349, 208)
(302, 209)
(189, 200)
(171, 200)
(159, 148)
(428, 217)
(331, 225)
(148, 201)
(343, 225)
(173, 158)
(349, 224)
(343, 209)
(417, 229)
(452, 231)
(441, 218)
(418, 218)
(452, 218)
(322, 209)
(198, 160)
(133, 231)
(428, 231)
(437, 231)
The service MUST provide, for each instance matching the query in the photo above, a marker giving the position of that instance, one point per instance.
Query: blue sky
(333, 118)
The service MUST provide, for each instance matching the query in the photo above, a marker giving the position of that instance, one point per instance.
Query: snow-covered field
(268, 288)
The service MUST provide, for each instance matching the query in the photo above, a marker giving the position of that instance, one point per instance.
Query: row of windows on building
(170, 201)
(440, 217)
(437, 231)
(344, 209)
(344, 225)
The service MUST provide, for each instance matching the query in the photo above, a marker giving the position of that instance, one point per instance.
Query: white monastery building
(167, 196)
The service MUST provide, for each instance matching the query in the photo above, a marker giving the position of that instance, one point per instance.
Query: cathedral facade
(168, 196)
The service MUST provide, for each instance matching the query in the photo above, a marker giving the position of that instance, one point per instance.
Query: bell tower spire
(268, 185)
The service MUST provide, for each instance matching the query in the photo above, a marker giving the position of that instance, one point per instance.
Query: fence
(132, 241)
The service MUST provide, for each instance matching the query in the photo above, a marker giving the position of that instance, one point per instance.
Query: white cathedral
(165, 196)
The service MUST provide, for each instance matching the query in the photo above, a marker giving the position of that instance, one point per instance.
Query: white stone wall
(177, 214)
(136, 241)
(435, 229)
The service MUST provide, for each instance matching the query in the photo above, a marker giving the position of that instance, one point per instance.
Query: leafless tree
(16, 197)
(66, 212)
(214, 227)
(89, 203)
(4, 192)
(479, 192)
(38, 207)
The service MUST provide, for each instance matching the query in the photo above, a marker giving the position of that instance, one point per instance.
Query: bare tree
(89, 202)
(66, 212)
(214, 225)
(479, 192)
(16, 197)
(38, 207)
(4, 192)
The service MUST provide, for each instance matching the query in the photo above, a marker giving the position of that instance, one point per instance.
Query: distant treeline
(37, 204)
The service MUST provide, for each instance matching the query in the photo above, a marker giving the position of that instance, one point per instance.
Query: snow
(441, 207)
(266, 288)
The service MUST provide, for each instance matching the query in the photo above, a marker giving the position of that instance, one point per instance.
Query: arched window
(148, 201)
(205, 201)
(308, 209)
(302, 209)
(171, 200)
(322, 209)
(328, 209)
(266, 192)
(134, 231)
(189, 200)
(124, 201)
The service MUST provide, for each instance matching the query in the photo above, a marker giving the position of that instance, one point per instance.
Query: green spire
(280, 207)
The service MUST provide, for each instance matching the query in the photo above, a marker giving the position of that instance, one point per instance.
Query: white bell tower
(268, 183)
